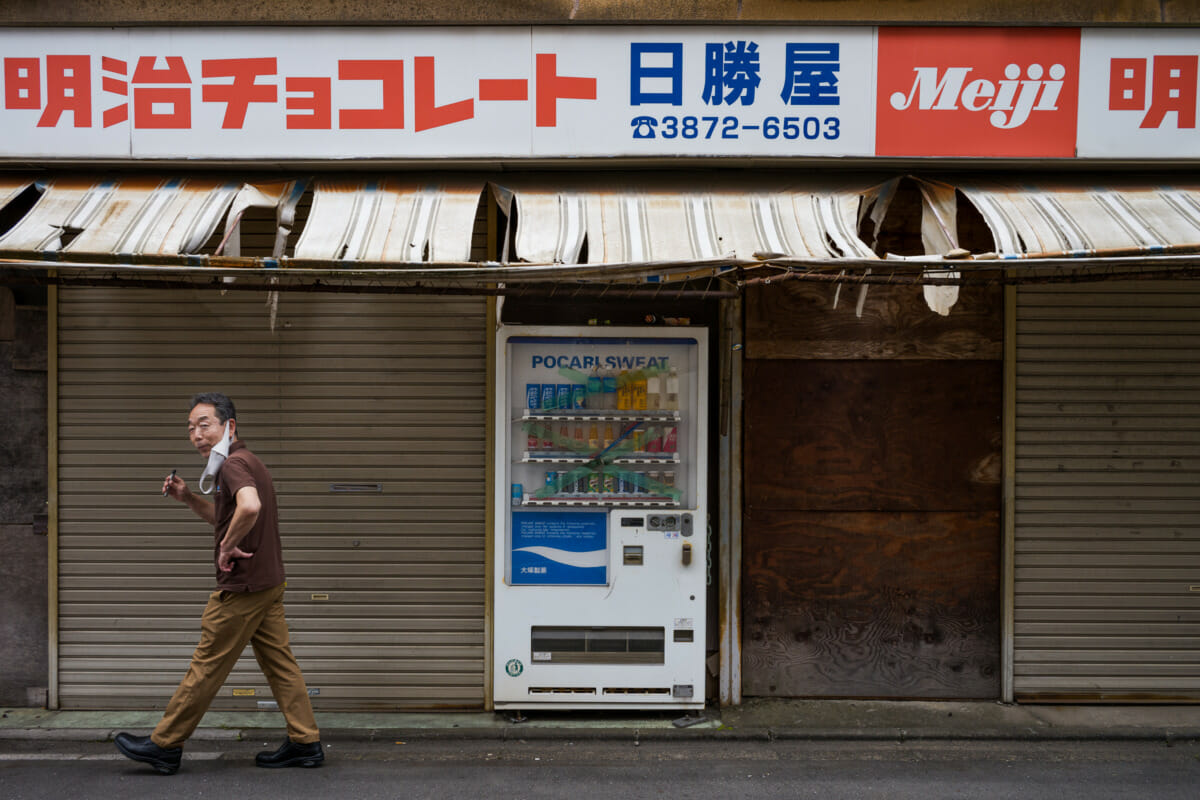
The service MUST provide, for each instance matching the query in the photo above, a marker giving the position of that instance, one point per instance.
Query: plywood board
(871, 605)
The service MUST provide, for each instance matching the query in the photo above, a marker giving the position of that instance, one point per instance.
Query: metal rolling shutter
(385, 588)
(1107, 524)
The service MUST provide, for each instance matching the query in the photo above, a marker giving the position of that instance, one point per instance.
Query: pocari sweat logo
(584, 363)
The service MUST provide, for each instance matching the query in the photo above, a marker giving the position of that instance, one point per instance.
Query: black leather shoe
(292, 754)
(141, 748)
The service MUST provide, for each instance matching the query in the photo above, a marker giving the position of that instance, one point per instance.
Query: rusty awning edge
(483, 276)
(477, 272)
(343, 281)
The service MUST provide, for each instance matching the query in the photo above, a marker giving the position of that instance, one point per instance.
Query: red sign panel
(977, 92)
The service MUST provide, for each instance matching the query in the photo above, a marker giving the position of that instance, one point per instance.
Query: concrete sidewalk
(765, 719)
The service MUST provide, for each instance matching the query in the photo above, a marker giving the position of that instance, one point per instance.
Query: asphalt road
(610, 770)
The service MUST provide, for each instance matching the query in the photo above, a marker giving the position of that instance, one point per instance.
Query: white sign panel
(712, 91)
(436, 92)
(1137, 94)
(253, 93)
(52, 95)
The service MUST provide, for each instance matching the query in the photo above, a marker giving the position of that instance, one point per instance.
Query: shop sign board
(414, 94)
(986, 91)
(1141, 92)
(715, 92)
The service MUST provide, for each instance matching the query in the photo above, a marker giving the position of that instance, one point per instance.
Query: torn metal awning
(623, 218)
(712, 231)
(418, 230)
(10, 187)
(132, 216)
(390, 221)
(1062, 226)
(1081, 221)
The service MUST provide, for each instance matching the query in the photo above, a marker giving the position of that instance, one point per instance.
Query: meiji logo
(977, 92)
(1011, 100)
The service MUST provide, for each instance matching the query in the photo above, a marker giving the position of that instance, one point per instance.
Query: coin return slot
(633, 554)
(685, 636)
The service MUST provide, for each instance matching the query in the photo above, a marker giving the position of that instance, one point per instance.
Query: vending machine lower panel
(635, 638)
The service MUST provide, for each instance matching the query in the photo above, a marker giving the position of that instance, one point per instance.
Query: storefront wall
(871, 488)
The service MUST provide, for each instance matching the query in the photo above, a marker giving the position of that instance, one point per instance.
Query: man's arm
(177, 488)
(244, 517)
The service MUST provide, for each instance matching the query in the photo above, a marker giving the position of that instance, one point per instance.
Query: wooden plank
(796, 319)
(873, 435)
(896, 605)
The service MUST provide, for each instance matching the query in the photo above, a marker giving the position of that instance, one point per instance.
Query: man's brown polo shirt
(265, 570)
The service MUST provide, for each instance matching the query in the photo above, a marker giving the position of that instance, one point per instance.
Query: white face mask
(216, 457)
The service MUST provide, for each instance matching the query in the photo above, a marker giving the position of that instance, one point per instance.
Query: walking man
(247, 606)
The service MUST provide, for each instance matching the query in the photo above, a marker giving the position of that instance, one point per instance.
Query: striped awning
(132, 216)
(390, 221)
(624, 219)
(419, 228)
(1073, 219)
(427, 232)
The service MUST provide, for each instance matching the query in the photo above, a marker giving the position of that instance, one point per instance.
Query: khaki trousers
(231, 619)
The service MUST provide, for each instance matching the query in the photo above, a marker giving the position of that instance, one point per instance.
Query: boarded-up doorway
(871, 562)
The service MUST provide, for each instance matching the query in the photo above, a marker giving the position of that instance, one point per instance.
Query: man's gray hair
(220, 402)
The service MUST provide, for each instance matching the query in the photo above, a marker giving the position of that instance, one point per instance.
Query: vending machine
(601, 547)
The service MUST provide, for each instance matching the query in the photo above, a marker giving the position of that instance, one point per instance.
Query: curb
(518, 733)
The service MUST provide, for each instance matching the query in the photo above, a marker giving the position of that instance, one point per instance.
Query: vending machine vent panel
(590, 645)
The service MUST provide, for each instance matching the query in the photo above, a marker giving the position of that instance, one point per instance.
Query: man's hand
(225, 557)
(245, 514)
(175, 487)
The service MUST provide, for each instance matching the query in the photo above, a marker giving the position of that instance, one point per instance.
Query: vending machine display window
(602, 422)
